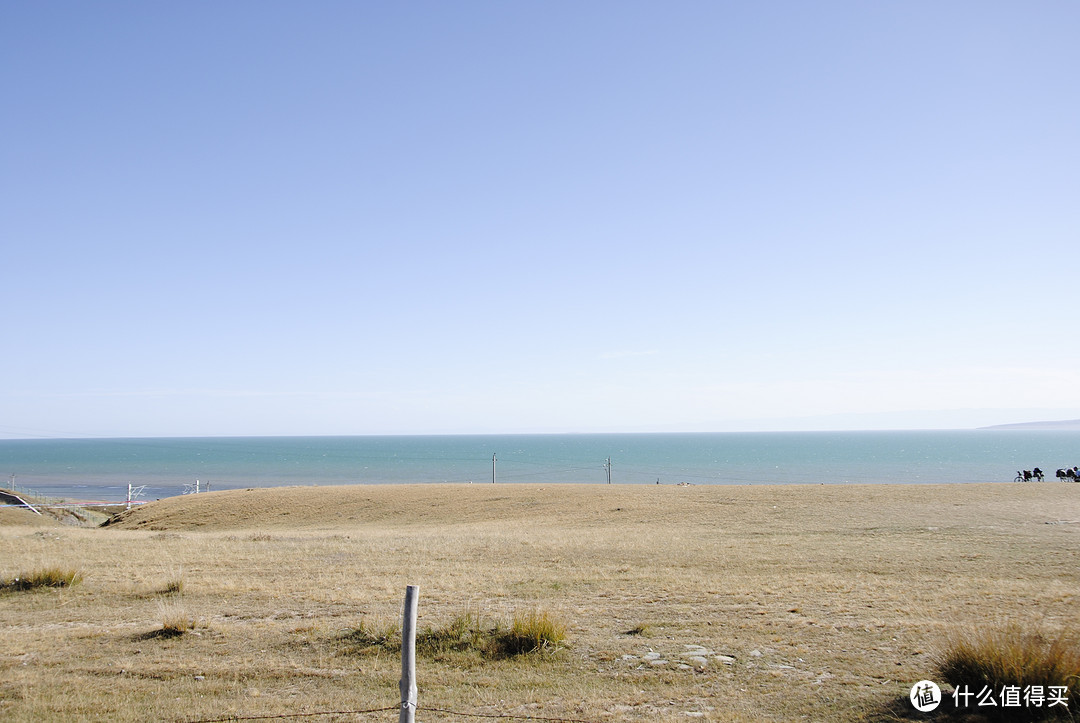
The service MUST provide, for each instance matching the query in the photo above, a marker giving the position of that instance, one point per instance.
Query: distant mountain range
(1067, 424)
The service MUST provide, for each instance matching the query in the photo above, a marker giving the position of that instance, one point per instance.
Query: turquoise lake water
(100, 469)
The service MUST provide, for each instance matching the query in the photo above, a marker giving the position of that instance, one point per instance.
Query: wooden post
(493, 469)
(607, 466)
(129, 496)
(408, 657)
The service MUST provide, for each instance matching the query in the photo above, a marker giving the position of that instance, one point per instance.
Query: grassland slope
(803, 507)
(721, 603)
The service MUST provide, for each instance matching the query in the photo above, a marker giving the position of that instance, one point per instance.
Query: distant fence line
(77, 505)
(30, 492)
(49, 502)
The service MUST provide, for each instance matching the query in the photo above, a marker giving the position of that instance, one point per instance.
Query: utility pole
(493, 460)
(607, 466)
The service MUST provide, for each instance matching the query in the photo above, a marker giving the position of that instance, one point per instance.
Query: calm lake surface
(100, 469)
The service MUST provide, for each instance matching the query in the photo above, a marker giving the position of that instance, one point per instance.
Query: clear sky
(261, 217)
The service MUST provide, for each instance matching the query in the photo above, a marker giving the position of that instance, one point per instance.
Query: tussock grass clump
(175, 620)
(530, 632)
(463, 633)
(368, 635)
(1011, 655)
(526, 633)
(645, 630)
(174, 586)
(55, 577)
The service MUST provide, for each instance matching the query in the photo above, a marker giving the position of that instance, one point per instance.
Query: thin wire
(505, 716)
(281, 716)
(292, 715)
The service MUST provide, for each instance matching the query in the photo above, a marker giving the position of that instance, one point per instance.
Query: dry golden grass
(23, 518)
(1012, 655)
(41, 578)
(727, 603)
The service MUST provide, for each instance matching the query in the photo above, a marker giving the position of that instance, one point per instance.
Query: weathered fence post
(408, 657)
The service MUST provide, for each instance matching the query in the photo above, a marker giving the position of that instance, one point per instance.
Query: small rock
(755, 653)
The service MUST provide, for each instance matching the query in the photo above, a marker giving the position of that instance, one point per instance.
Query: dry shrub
(1015, 656)
(54, 577)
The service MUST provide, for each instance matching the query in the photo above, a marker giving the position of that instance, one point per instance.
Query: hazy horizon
(883, 423)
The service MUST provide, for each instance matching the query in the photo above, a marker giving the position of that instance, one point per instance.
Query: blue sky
(429, 217)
